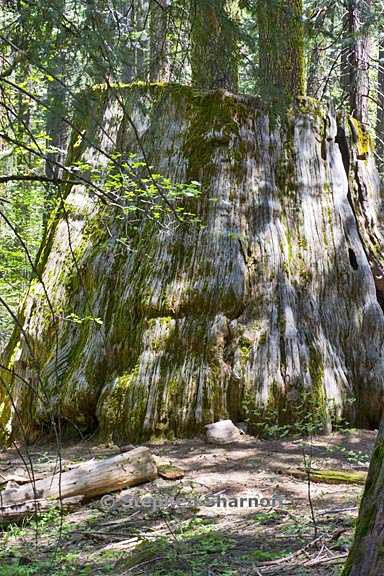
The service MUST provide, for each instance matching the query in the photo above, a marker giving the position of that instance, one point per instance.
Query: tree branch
(34, 178)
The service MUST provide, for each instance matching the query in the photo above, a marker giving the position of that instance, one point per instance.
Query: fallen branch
(317, 561)
(19, 478)
(336, 511)
(326, 476)
(290, 557)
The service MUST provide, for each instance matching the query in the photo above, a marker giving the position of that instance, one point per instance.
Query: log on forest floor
(326, 476)
(92, 478)
(32, 508)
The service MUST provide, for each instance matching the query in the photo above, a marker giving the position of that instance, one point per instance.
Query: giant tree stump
(267, 311)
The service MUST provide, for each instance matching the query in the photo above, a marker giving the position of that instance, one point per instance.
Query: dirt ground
(196, 526)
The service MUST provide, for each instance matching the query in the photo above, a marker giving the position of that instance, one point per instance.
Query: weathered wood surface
(268, 311)
(18, 476)
(32, 508)
(89, 479)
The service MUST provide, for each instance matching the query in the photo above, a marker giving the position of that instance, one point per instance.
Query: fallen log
(326, 476)
(92, 478)
(32, 508)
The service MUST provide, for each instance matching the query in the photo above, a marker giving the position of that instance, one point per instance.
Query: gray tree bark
(380, 106)
(214, 44)
(142, 49)
(281, 49)
(56, 128)
(270, 309)
(355, 61)
(159, 68)
(128, 53)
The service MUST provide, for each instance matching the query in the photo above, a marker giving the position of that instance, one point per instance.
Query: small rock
(223, 432)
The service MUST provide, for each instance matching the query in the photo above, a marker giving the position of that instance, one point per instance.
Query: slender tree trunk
(56, 128)
(128, 54)
(380, 106)
(141, 25)
(316, 71)
(159, 68)
(319, 71)
(281, 48)
(214, 44)
(355, 61)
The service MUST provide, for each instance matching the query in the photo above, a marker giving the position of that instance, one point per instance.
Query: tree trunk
(159, 68)
(56, 128)
(128, 52)
(366, 557)
(281, 49)
(141, 19)
(380, 107)
(355, 62)
(214, 49)
(267, 311)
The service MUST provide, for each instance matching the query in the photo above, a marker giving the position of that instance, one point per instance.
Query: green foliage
(304, 418)
(210, 550)
(77, 320)
(264, 555)
(23, 215)
(143, 191)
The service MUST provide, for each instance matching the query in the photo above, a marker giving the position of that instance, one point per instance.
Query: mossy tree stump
(269, 307)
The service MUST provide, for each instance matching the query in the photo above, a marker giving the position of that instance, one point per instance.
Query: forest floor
(190, 536)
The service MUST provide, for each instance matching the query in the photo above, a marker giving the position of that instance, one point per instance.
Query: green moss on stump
(362, 138)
